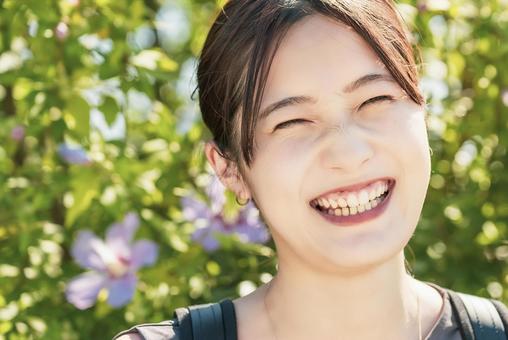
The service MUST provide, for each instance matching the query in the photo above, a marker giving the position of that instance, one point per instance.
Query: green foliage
(64, 62)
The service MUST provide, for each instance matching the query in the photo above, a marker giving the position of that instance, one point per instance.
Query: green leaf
(110, 109)
(79, 109)
(85, 188)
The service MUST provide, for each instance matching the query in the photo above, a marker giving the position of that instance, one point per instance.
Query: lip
(358, 186)
(352, 220)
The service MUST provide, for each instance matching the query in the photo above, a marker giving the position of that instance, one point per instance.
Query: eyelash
(376, 99)
(367, 102)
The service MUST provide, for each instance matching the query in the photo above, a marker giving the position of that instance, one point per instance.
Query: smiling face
(335, 118)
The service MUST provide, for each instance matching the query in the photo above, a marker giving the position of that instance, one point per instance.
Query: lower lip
(352, 220)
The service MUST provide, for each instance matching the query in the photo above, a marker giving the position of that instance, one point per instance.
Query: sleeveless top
(445, 326)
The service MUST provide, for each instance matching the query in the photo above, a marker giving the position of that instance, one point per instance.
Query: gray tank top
(445, 327)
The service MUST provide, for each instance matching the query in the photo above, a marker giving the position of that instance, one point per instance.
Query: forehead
(319, 54)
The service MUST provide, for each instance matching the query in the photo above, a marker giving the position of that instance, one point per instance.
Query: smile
(355, 207)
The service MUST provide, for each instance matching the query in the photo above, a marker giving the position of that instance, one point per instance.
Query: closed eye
(376, 99)
(289, 123)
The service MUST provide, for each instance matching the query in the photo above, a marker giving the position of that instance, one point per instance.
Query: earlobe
(226, 170)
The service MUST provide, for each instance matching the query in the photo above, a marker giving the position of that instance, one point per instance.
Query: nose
(345, 146)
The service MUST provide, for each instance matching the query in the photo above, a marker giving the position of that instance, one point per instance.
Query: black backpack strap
(503, 313)
(207, 322)
(460, 314)
(211, 321)
(478, 317)
(182, 314)
(229, 318)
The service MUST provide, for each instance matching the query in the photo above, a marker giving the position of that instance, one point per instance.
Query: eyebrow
(351, 87)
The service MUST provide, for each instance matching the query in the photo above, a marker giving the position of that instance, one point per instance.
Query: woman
(317, 118)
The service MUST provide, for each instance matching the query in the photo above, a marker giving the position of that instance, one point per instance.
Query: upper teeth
(355, 198)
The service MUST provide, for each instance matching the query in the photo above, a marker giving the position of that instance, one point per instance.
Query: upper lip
(357, 186)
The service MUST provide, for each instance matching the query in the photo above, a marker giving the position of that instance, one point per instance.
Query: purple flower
(18, 133)
(215, 190)
(249, 225)
(112, 263)
(422, 6)
(61, 31)
(73, 155)
(210, 220)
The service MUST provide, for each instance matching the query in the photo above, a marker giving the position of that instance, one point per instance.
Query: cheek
(415, 142)
(410, 146)
(278, 172)
(404, 132)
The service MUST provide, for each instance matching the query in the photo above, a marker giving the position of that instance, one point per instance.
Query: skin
(351, 281)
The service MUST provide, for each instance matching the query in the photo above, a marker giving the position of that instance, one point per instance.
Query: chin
(360, 252)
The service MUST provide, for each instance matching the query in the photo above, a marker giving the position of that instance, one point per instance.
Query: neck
(379, 302)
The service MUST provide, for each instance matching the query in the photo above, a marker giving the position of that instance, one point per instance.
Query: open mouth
(355, 211)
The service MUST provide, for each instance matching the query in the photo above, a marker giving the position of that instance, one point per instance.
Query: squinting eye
(289, 123)
(377, 99)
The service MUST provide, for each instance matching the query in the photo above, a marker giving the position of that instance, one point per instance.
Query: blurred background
(109, 215)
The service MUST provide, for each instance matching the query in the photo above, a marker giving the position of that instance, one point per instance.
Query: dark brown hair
(239, 49)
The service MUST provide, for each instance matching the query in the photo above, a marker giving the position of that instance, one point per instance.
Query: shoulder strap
(182, 314)
(229, 318)
(215, 321)
(205, 321)
(503, 313)
(478, 317)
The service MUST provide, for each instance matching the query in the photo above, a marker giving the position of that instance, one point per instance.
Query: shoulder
(165, 330)
(129, 336)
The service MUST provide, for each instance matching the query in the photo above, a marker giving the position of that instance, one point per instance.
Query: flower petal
(215, 191)
(73, 155)
(193, 209)
(205, 237)
(119, 235)
(120, 291)
(253, 233)
(82, 291)
(84, 251)
(144, 253)
(250, 227)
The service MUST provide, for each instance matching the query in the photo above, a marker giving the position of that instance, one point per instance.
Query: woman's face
(332, 142)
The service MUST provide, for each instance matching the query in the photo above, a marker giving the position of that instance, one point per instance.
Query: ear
(227, 171)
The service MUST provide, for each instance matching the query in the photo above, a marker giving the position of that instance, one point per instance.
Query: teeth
(333, 203)
(363, 197)
(352, 200)
(347, 211)
(372, 194)
(325, 203)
